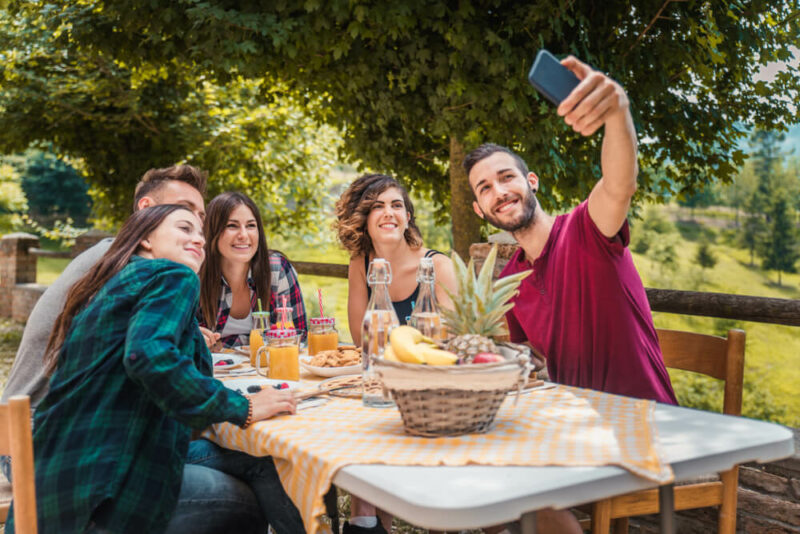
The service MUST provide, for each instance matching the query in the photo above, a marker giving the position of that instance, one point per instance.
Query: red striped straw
(319, 295)
(283, 310)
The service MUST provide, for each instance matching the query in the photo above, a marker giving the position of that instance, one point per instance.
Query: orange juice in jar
(322, 335)
(284, 319)
(260, 324)
(283, 351)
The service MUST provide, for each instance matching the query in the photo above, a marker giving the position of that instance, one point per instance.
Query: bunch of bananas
(408, 345)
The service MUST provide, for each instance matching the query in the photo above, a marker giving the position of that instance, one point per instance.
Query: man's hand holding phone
(596, 100)
(584, 97)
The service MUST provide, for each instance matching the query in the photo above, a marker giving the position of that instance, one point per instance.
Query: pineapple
(479, 307)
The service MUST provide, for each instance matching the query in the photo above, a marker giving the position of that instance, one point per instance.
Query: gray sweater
(27, 374)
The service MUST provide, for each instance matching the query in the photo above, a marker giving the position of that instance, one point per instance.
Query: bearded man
(584, 306)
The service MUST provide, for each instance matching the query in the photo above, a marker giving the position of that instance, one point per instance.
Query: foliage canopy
(115, 120)
(402, 78)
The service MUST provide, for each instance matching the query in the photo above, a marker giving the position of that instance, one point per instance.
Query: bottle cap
(281, 333)
(325, 321)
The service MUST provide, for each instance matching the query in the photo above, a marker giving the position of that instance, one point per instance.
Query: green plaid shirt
(134, 378)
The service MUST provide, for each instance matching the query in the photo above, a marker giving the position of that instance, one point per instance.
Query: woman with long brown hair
(240, 269)
(131, 378)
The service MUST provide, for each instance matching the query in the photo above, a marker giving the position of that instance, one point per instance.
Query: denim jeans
(5, 466)
(210, 502)
(259, 474)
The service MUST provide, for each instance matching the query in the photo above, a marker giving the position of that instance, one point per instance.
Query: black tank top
(403, 307)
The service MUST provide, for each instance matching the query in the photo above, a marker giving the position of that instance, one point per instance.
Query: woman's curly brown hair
(353, 207)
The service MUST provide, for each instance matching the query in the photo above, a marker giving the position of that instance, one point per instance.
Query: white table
(452, 498)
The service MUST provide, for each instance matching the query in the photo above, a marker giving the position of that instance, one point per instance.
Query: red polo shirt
(584, 307)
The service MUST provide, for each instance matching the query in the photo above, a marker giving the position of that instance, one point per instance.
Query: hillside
(772, 361)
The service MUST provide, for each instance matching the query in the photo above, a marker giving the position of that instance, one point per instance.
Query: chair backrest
(718, 357)
(16, 440)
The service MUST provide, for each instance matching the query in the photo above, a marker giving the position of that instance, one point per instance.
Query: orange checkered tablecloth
(562, 426)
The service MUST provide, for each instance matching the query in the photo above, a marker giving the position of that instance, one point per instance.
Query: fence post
(88, 240)
(17, 266)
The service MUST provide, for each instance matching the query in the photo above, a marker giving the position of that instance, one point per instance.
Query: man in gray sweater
(180, 184)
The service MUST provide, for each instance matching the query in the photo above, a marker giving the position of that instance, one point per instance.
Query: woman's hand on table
(211, 338)
(271, 402)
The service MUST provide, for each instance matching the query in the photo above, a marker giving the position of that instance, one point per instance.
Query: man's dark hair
(155, 179)
(486, 150)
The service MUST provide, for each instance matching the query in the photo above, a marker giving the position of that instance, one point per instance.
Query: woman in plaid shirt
(131, 378)
(240, 269)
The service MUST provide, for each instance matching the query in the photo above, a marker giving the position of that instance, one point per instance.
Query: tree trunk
(466, 225)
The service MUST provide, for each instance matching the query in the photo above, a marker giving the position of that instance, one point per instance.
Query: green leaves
(400, 79)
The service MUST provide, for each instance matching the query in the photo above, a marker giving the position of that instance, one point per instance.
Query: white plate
(329, 371)
(241, 384)
(238, 359)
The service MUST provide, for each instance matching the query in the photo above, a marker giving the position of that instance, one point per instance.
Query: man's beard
(525, 220)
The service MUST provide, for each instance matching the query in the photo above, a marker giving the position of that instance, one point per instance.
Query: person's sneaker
(355, 529)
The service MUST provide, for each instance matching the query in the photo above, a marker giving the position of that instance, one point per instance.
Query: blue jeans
(259, 474)
(210, 502)
(5, 466)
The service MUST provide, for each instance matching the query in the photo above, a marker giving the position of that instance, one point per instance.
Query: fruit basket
(452, 400)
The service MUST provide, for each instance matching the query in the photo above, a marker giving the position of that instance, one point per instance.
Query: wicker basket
(451, 400)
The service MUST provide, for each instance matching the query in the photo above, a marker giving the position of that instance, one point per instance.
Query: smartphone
(551, 78)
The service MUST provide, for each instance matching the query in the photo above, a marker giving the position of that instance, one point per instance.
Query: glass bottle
(425, 317)
(379, 320)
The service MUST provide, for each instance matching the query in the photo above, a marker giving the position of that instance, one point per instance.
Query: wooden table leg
(528, 523)
(666, 506)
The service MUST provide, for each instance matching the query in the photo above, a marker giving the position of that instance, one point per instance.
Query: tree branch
(657, 16)
(459, 106)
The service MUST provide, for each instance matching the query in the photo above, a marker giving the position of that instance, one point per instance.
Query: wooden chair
(16, 440)
(721, 358)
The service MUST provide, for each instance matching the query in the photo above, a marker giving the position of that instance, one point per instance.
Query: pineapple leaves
(481, 302)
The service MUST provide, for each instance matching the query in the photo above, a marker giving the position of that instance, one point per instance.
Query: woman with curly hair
(240, 269)
(375, 219)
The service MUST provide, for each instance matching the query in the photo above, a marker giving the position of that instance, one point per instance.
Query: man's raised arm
(600, 101)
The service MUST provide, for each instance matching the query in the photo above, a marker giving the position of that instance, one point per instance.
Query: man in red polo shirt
(584, 306)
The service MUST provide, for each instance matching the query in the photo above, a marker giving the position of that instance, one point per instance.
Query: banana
(388, 354)
(404, 340)
(434, 356)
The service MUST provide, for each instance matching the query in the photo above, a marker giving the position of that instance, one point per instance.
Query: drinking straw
(283, 311)
(260, 309)
(319, 295)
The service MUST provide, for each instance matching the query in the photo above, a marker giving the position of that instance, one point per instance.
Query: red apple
(487, 357)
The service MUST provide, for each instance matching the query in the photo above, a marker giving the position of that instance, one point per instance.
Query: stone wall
(17, 266)
(19, 291)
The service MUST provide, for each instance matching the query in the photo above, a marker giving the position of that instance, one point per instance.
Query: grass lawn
(48, 269)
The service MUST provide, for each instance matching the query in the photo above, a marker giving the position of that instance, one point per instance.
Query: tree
(414, 84)
(754, 230)
(116, 120)
(12, 198)
(704, 257)
(699, 198)
(781, 242)
(767, 160)
(54, 190)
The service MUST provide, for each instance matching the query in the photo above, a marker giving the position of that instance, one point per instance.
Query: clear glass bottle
(425, 317)
(379, 320)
